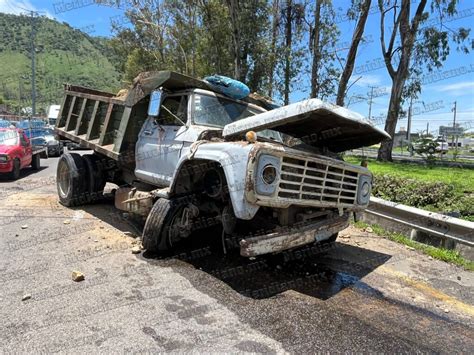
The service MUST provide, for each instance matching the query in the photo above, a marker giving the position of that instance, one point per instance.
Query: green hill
(63, 55)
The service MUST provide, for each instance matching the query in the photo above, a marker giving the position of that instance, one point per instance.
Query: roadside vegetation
(440, 189)
(450, 256)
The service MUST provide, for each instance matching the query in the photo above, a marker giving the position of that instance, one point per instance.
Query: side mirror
(155, 102)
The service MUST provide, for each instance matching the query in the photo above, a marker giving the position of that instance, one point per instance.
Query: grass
(461, 179)
(447, 255)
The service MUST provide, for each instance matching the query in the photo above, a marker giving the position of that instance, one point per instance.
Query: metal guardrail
(435, 224)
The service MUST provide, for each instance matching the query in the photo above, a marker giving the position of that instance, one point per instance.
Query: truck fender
(233, 158)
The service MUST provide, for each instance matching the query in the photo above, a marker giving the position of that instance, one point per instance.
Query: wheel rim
(63, 179)
(176, 227)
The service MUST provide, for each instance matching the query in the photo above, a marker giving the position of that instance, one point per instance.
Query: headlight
(4, 158)
(269, 174)
(266, 176)
(363, 194)
(365, 189)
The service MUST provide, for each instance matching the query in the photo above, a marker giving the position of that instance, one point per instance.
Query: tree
(292, 17)
(273, 45)
(363, 10)
(405, 58)
(323, 33)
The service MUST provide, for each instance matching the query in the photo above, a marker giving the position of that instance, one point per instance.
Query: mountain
(63, 55)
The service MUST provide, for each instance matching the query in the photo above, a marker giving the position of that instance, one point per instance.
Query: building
(401, 136)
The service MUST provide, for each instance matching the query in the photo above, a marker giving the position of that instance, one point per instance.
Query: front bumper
(293, 236)
(6, 167)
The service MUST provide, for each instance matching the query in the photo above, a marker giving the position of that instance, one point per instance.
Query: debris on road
(136, 250)
(67, 221)
(409, 248)
(26, 297)
(130, 234)
(77, 276)
(24, 226)
(369, 230)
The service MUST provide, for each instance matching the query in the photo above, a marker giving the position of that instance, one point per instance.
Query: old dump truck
(186, 157)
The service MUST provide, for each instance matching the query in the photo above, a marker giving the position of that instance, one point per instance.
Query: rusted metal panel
(95, 97)
(105, 126)
(92, 121)
(61, 110)
(106, 150)
(81, 116)
(82, 89)
(292, 237)
(70, 113)
(122, 129)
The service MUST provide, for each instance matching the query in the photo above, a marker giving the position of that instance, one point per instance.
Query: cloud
(457, 89)
(366, 80)
(18, 7)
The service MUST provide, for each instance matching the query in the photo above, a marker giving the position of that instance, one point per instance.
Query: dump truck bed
(94, 119)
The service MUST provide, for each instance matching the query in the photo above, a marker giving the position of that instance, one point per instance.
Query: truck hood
(316, 123)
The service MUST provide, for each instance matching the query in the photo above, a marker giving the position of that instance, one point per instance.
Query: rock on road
(364, 293)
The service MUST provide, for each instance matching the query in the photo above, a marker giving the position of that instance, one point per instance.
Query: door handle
(147, 133)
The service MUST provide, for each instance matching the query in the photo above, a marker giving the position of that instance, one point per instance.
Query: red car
(16, 152)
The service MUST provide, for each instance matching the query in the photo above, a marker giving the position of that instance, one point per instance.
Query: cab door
(26, 151)
(159, 146)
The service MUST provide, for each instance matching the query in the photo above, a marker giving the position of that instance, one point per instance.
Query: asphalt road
(364, 294)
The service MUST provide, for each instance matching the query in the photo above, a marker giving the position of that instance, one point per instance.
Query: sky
(454, 82)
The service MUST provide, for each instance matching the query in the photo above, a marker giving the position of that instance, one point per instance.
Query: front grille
(318, 181)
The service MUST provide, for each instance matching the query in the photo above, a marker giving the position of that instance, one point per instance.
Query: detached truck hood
(316, 123)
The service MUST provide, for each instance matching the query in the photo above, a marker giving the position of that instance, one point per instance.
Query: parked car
(5, 123)
(17, 152)
(46, 137)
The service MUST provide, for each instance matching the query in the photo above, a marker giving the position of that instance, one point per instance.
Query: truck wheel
(71, 180)
(162, 228)
(95, 178)
(15, 173)
(36, 162)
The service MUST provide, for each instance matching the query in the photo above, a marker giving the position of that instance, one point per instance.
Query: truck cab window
(172, 107)
(23, 140)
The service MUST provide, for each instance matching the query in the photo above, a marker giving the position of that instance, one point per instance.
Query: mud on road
(364, 293)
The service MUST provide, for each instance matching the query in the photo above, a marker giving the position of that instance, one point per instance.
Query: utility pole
(409, 126)
(370, 101)
(33, 15)
(427, 128)
(454, 125)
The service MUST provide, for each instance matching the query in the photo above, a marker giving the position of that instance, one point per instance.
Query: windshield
(8, 138)
(218, 112)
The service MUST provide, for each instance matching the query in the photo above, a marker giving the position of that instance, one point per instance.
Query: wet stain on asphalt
(320, 275)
